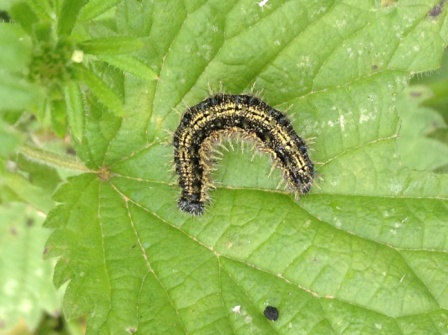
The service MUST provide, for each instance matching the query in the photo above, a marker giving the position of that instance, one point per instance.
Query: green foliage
(49, 59)
(363, 252)
(419, 125)
(26, 290)
(431, 138)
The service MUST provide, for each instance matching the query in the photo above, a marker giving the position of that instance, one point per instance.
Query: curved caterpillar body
(202, 124)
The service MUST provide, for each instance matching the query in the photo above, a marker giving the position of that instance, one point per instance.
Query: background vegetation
(88, 97)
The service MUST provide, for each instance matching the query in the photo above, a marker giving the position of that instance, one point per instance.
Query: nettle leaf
(74, 109)
(67, 18)
(130, 64)
(364, 252)
(111, 45)
(100, 89)
(94, 8)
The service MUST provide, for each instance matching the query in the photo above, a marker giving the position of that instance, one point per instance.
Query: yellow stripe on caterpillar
(204, 124)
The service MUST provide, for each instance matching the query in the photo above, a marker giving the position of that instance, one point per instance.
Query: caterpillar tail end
(191, 207)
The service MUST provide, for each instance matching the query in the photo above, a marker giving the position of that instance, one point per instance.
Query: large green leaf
(363, 253)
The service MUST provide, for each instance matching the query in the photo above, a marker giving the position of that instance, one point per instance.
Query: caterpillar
(203, 124)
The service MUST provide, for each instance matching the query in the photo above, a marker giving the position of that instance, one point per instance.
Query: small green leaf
(68, 16)
(111, 45)
(100, 89)
(58, 117)
(24, 15)
(95, 8)
(130, 64)
(75, 110)
(43, 9)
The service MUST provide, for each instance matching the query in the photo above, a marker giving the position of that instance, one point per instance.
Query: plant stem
(53, 159)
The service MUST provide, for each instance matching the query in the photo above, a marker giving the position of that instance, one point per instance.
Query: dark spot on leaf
(29, 222)
(437, 9)
(415, 94)
(374, 67)
(132, 330)
(4, 17)
(13, 231)
(45, 251)
(70, 151)
(133, 246)
(271, 313)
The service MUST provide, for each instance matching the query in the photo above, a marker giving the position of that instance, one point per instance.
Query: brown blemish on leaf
(387, 3)
(104, 173)
(437, 9)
